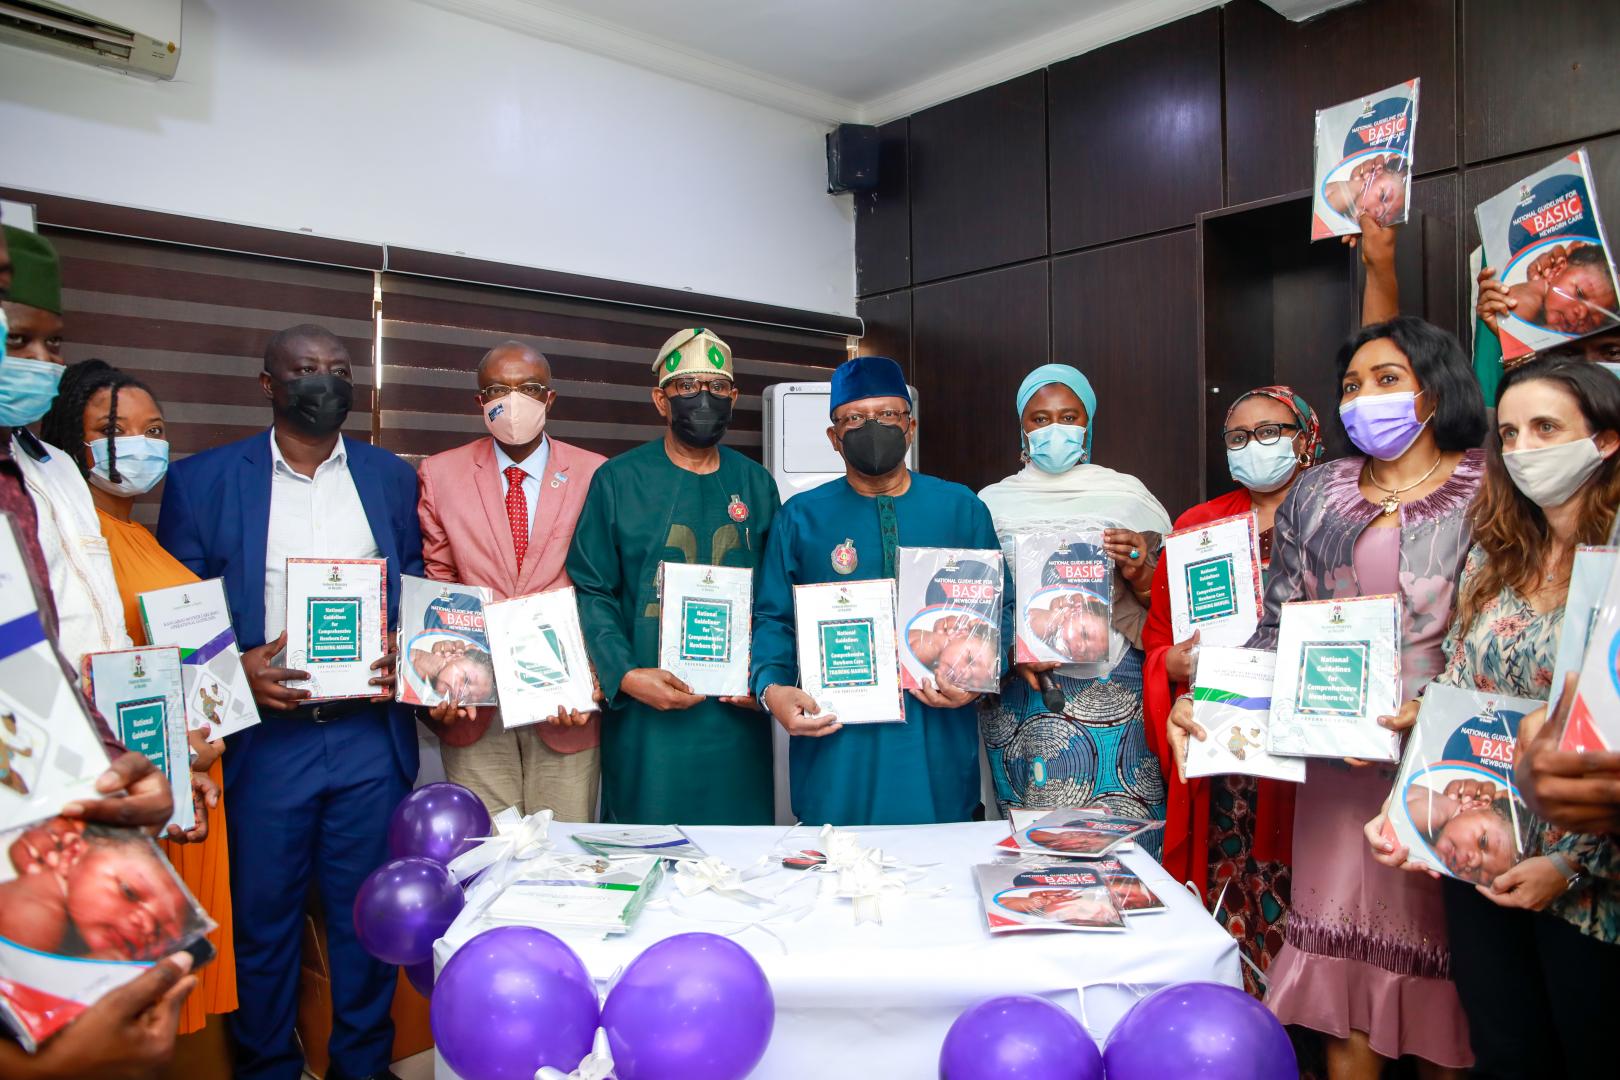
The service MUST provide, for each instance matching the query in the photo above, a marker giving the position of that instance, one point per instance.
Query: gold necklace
(1391, 501)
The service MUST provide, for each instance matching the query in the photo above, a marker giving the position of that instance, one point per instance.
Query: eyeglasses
(537, 391)
(1264, 434)
(687, 385)
(888, 417)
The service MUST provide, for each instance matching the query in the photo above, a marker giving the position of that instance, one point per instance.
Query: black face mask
(875, 449)
(701, 420)
(317, 404)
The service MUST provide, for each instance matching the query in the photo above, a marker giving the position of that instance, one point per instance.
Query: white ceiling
(850, 60)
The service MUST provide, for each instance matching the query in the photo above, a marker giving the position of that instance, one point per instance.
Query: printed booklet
(664, 841)
(50, 751)
(443, 645)
(1594, 715)
(1021, 819)
(1588, 578)
(847, 658)
(1364, 161)
(950, 617)
(337, 611)
(1455, 806)
(1064, 587)
(540, 660)
(141, 694)
(1545, 240)
(1338, 671)
(705, 625)
(1067, 896)
(1131, 894)
(598, 893)
(196, 620)
(1232, 703)
(1080, 833)
(85, 909)
(1213, 572)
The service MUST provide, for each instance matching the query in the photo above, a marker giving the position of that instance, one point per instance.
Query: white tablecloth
(875, 1001)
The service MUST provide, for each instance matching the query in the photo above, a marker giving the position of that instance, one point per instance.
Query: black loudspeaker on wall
(852, 158)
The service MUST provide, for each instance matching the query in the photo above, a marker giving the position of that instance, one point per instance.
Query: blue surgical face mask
(27, 388)
(1057, 448)
(1259, 467)
(142, 462)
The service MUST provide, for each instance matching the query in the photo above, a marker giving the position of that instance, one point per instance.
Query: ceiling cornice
(653, 54)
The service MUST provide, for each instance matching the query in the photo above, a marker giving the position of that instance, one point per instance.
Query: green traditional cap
(36, 274)
(693, 352)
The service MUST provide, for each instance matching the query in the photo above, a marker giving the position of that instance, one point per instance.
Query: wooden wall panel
(1278, 73)
(978, 180)
(1135, 134)
(1437, 204)
(888, 328)
(1126, 315)
(974, 340)
(883, 218)
(1538, 74)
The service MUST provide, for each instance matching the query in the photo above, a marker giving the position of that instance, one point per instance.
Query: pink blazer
(466, 538)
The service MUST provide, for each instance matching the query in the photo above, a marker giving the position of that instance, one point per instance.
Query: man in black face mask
(309, 790)
(667, 753)
(926, 769)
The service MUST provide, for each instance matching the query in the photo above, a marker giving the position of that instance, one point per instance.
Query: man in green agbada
(670, 756)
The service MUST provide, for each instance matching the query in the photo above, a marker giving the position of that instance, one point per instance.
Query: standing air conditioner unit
(139, 36)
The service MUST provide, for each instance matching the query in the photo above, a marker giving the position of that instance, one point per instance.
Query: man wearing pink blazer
(500, 513)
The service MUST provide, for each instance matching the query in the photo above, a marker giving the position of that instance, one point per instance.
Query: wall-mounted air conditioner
(139, 36)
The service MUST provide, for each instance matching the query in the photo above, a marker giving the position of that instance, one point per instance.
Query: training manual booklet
(1131, 894)
(1213, 572)
(950, 617)
(1545, 240)
(337, 616)
(1232, 703)
(196, 619)
(1021, 819)
(1064, 587)
(50, 752)
(847, 657)
(598, 893)
(1455, 807)
(705, 625)
(1364, 161)
(1594, 715)
(84, 909)
(1588, 579)
(140, 693)
(1338, 671)
(1064, 896)
(443, 645)
(540, 660)
(664, 841)
(1072, 833)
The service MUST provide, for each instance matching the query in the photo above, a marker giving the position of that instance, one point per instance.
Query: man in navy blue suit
(310, 789)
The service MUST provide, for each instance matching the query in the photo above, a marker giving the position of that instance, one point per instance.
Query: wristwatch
(1574, 874)
(762, 694)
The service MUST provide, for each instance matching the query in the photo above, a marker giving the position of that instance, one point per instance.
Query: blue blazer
(215, 519)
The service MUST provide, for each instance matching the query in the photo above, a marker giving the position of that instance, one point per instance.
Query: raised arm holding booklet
(1364, 161)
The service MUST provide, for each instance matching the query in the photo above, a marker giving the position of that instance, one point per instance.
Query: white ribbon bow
(597, 1065)
(515, 837)
(864, 876)
(694, 876)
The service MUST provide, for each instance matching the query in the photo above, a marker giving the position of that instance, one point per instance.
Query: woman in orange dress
(113, 422)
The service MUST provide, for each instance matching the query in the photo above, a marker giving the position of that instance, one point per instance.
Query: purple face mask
(1382, 425)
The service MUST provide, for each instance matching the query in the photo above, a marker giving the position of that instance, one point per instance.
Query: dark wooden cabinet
(883, 218)
(973, 340)
(888, 328)
(1126, 316)
(978, 180)
(1135, 134)
(1538, 74)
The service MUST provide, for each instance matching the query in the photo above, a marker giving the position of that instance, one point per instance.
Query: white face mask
(1550, 475)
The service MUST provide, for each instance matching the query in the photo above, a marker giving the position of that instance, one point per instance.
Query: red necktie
(517, 511)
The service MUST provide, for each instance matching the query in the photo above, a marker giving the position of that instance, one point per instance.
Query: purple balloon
(421, 977)
(511, 1000)
(691, 1007)
(1018, 1037)
(438, 822)
(404, 907)
(1199, 1029)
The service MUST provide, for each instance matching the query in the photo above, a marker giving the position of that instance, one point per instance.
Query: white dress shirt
(317, 517)
(534, 469)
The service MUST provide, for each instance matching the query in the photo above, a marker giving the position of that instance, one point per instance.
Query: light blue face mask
(1259, 467)
(142, 463)
(1057, 448)
(27, 388)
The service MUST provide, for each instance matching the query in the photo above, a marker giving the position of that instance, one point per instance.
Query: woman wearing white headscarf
(1095, 752)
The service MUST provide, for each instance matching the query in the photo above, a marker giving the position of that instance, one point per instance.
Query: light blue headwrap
(1064, 375)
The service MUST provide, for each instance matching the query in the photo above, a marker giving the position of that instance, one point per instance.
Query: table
(876, 1000)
